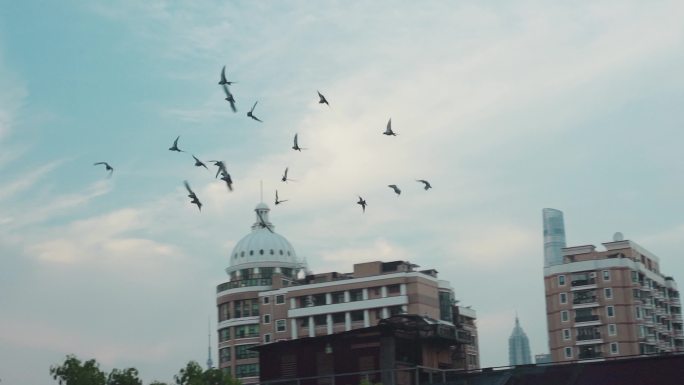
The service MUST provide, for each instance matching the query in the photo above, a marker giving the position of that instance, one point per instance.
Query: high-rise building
(271, 296)
(611, 303)
(554, 236)
(519, 346)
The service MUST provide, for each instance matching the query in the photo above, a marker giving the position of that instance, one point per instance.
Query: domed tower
(256, 260)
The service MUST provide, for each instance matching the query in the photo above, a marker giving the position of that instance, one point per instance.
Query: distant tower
(210, 363)
(554, 237)
(518, 346)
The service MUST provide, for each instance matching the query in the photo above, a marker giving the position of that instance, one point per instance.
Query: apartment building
(271, 296)
(611, 303)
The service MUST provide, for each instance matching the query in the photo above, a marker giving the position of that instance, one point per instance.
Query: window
(606, 275)
(566, 334)
(639, 313)
(224, 312)
(356, 295)
(224, 334)
(337, 297)
(568, 352)
(267, 318)
(564, 316)
(561, 280)
(614, 348)
(224, 355)
(244, 351)
(280, 299)
(393, 290)
(267, 338)
(610, 311)
(246, 331)
(642, 331)
(612, 330)
(635, 276)
(320, 320)
(563, 297)
(357, 315)
(266, 300)
(608, 293)
(338, 318)
(248, 370)
(281, 325)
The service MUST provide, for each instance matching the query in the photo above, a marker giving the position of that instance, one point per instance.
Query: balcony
(587, 318)
(677, 318)
(583, 282)
(587, 337)
(590, 355)
(585, 301)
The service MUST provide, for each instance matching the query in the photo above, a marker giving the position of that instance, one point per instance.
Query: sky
(505, 107)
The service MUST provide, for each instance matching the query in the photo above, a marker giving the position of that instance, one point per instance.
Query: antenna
(210, 363)
(261, 190)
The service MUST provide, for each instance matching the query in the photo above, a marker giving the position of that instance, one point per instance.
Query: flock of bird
(223, 171)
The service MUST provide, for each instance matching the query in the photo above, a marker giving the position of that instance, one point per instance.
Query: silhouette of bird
(223, 77)
(175, 146)
(262, 222)
(192, 196)
(362, 202)
(226, 177)
(322, 99)
(221, 167)
(389, 131)
(107, 167)
(277, 202)
(285, 178)
(395, 188)
(229, 97)
(426, 183)
(251, 112)
(199, 163)
(296, 146)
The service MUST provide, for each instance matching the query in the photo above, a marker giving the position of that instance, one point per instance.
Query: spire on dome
(262, 221)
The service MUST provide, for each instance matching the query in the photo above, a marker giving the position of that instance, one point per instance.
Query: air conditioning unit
(592, 275)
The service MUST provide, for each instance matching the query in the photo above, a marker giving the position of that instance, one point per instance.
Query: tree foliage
(73, 372)
(193, 374)
(124, 377)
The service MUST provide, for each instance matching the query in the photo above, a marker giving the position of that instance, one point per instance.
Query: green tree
(193, 374)
(158, 383)
(124, 377)
(73, 372)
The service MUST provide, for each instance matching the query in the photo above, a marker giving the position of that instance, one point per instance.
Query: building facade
(519, 346)
(611, 303)
(271, 296)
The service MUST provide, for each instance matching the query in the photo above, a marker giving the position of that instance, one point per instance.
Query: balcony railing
(595, 336)
(243, 283)
(586, 318)
(579, 301)
(583, 282)
(589, 355)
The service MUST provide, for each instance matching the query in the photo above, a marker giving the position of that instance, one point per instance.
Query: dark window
(337, 297)
(393, 289)
(224, 355)
(320, 320)
(224, 334)
(280, 299)
(338, 318)
(356, 295)
(249, 370)
(357, 315)
(243, 351)
(261, 252)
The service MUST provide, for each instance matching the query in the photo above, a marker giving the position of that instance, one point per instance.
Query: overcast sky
(505, 107)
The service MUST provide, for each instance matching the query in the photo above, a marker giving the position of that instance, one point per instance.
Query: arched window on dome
(251, 252)
(288, 253)
(281, 252)
(272, 252)
(242, 254)
(261, 252)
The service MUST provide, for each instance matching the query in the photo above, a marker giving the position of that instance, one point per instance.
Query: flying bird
(262, 222)
(285, 178)
(199, 163)
(251, 112)
(395, 188)
(296, 146)
(107, 167)
(221, 167)
(229, 97)
(388, 130)
(192, 196)
(277, 202)
(229, 182)
(223, 78)
(426, 183)
(175, 146)
(322, 99)
(362, 202)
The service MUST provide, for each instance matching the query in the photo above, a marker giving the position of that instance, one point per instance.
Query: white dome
(263, 247)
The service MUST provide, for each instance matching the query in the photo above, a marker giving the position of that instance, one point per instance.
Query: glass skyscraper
(519, 346)
(554, 236)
